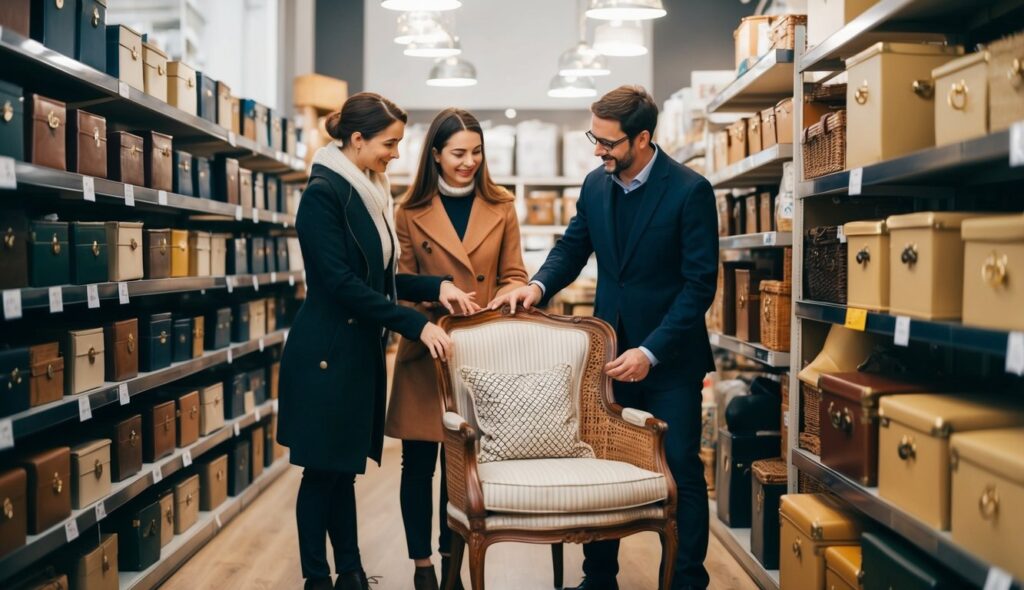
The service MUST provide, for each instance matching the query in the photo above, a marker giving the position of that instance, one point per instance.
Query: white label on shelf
(231, 356)
(122, 292)
(273, 406)
(101, 511)
(255, 215)
(12, 304)
(238, 213)
(123, 89)
(56, 300)
(901, 336)
(262, 344)
(161, 198)
(158, 474)
(256, 282)
(841, 234)
(6, 434)
(216, 519)
(273, 217)
(856, 181)
(1015, 353)
(714, 339)
(273, 277)
(84, 409)
(238, 429)
(186, 458)
(232, 141)
(256, 414)
(282, 158)
(229, 282)
(301, 150)
(769, 238)
(291, 280)
(1017, 144)
(71, 530)
(998, 579)
(122, 394)
(89, 188)
(8, 176)
(129, 195)
(92, 296)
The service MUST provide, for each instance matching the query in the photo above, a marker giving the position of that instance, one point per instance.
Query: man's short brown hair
(631, 106)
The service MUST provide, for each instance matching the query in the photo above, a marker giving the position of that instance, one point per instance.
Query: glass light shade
(625, 9)
(452, 72)
(423, 27)
(410, 5)
(448, 47)
(582, 60)
(620, 39)
(572, 87)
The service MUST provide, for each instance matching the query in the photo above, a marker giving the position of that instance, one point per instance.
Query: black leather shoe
(597, 584)
(425, 578)
(317, 584)
(354, 580)
(444, 574)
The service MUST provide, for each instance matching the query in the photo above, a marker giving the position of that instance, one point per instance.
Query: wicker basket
(825, 265)
(787, 265)
(810, 442)
(810, 399)
(784, 422)
(707, 456)
(776, 311)
(824, 145)
(783, 33)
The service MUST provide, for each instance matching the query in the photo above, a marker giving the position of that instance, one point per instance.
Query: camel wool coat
(489, 261)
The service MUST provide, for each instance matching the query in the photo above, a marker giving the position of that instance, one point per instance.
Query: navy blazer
(657, 292)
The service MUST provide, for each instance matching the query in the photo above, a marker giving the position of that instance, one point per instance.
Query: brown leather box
(258, 438)
(748, 305)
(271, 315)
(49, 488)
(157, 244)
(159, 431)
(47, 381)
(124, 158)
(122, 349)
(126, 451)
(166, 500)
(14, 519)
(766, 212)
(729, 293)
(90, 471)
(97, 568)
(224, 108)
(275, 378)
(186, 504)
(87, 143)
(213, 482)
(46, 137)
(158, 162)
(198, 335)
(187, 413)
(14, 249)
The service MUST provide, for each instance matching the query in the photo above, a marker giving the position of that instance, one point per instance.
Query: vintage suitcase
(961, 111)
(240, 328)
(156, 341)
(125, 56)
(273, 192)
(187, 414)
(808, 525)
(1006, 81)
(748, 306)
(202, 181)
(842, 568)
(166, 500)
(245, 190)
(199, 253)
(224, 109)
(182, 165)
(124, 239)
(14, 265)
(736, 454)
(49, 255)
(86, 143)
(157, 244)
(89, 252)
(249, 118)
(186, 504)
(126, 452)
(206, 97)
(49, 488)
(738, 141)
(257, 438)
(14, 15)
(219, 254)
(198, 335)
(257, 319)
(769, 484)
(257, 255)
(45, 134)
(155, 71)
(913, 446)
(122, 349)
(225, 180)
(125, 158)
(926, 262)
(159, 431)
(271, 315)
(890, 562)
(213, 483)
(138, 535)
(281, 244)
(46, 380)
(258, 385)
(867, 264)
(235, 388)
(993, 268)
(211, 411)
(218, 329)
(275, 130)
(85, 360)
(90, 470)
(53, 24)
(259, 191)
(754, 144)
(237, 256)
(181, 86)
(825, 17)
(239, 475)
(181, 334)
(159, 167)
(15, 371)
(13, 496)
(97, 568)
(12, 121)
(274, 380)
(179, 253)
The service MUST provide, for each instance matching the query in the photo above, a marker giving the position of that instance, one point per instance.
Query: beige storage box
(842, 568)
(994, 272)
(124, 241)
(90, 470)
(961, 99)
(808, 525)
(155, 72)
(926, 264)
(199, 253)
(889, 108)
(211, 411)
(219, 254)
(754, 142)
(867, 272)
(769, 137)
(752, 37)
(737, 141)
(257, 319)
(181, 87)
(913, 446)
(129, 57)
(186, 504)
(825, 17)
(1006, 81)
(86, 361)
(988, 496)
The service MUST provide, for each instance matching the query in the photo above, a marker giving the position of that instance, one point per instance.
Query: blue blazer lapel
(656, 186)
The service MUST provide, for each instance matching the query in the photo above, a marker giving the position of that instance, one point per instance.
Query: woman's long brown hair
(446, 124)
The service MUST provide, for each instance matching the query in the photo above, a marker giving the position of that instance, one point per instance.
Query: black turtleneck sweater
(458, 210)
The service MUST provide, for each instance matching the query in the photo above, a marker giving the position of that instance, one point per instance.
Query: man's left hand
(632, 366)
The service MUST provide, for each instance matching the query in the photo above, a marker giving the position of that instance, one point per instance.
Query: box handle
(766, 310)
(163, 336)
(57, 483)
(163, 245)
(8, 112)
(956, 98)
(96, 136)
(840, 419)
(993, 272)
(133, 244)
(907, 449)
(160, 69)
(92, 355)
(742, 302)
(864, 256)
(106, 562)
(98, 469)
(988, 503)
(796, 548)
(909, 255)
(170, 515)
(131, 342)
(15, 378)
(861, 94)
(133, 437)
(55, 245)
(95, 248)
(924, 88)
(49, 371)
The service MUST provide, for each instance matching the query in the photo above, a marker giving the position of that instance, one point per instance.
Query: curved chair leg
(669, 548)
(455, 561)
(557, 562)
(477, 552)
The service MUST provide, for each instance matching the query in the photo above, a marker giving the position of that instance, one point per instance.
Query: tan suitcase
(219, 254)
(199, 253)
(1006, 82)
(913, 446)
(124, 241)
(754, 142)
(842, 568)
(86, 361)
(181, 87)
(961, 99)
(867, 272)
(889, 108)
(186, 504)
(994, 272)
(988, 495)
(155, 73)
(97, 569)
(737, 141)
(810, 524)
(90, 472)
(926, 264)
(825, 17)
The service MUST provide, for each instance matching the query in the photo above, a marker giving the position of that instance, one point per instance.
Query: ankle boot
(444, 574)
(317, 584)
(354, 580)
(425, 578)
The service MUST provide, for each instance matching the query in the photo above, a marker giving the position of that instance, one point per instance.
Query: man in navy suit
(653, 226)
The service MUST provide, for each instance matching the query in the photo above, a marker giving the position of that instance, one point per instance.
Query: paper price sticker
(92, 296)
(123, 89)
(161, 198)
(56, 300)
(122, 394)
(101, 511)
(255, 215)
(229, 282)
(1017, 145)
(769, 238)
(856, 181)
(856, 319)
(158, 475)
(238, 213)
(8, 175)
(255, 282)
(291, 280)
(1015, 353)
(89, 188)
(262, 344)
(231, 356)
(122, 292)
(841, 234)
(998, 579)
(257, 414)
(901, 336)
(129, 195)
(273, 217)
(238, 429)
(71, 530)
(273, 277)
(12, 304)
(84, 409)
(6, 434)
(186, 458)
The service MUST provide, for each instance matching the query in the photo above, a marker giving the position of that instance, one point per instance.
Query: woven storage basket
(824, 145)
(783, 33)
(776, 311)
(787, 264)
(810, 442)
(769, 470)
(707, 456)
(825, 265)
(784, 422)
(810, 399)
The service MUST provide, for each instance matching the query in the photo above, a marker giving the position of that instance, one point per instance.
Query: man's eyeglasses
(605, 143)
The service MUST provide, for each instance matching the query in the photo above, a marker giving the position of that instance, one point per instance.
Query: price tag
(12, 304)
(273, 406)
(256, 413)
(238, 213)
(262, 344)
(129, 195)
(8, 175)
(6, 434)
(255, 215)
(856, 319)
(841, 234)
(123, 89)
(232, 141)
(301, 150)
(998, 579)
(769, 238)
(92, 296)
(901, 336)
(186, 458)
(229, 282)
(158, 475)
(122, 394)
(256, 282)
(273, 277)
(291, 280)
(231, 356)
(71, 530)
(56, 300)
(1015, 353)
(238, 429)
(216, 519)
(122, 292)
(101, 511)
(161, 198)
(1017, 145)
(84, 409)
(856, 181)
(273, 217)
(89, 188)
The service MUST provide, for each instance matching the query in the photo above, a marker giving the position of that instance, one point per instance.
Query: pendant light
(410, 5)
(620, 39)
(452, 72)
(423, 27)
(444, 47)
(582, 60)
(572, 87)
(626, 9)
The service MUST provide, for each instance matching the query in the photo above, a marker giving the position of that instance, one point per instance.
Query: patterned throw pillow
(529, 416)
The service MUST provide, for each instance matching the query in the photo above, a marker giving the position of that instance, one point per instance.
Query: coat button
(479, 278)
(323, 365)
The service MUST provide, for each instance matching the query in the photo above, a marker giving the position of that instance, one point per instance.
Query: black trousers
(679, 407)
(416, 497)
(326, 507)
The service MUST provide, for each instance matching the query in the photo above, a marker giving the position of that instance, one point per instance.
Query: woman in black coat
(333, 378)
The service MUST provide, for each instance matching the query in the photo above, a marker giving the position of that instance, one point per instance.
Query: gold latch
(55, 245)
(988, 503)
(131, 342)
(98, 469)
(92, 355)
(57, 483)
(163, 337)
(8, 509)
(95, 248)
(993, 271)
(8, 111)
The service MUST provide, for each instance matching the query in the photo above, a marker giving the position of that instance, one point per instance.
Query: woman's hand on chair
(437, 341)
(453, 297)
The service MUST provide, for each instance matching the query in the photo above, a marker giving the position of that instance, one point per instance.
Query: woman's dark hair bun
(366, 112)
(333, 125)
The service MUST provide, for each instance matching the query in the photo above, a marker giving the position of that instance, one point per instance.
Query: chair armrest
(453, 421)
(636, 417)
(638, 438)
(464, 489)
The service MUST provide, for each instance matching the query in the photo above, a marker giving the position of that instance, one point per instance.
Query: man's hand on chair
(631, 367)
(526, 296)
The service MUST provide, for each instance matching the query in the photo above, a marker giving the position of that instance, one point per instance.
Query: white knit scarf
(375, 191)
